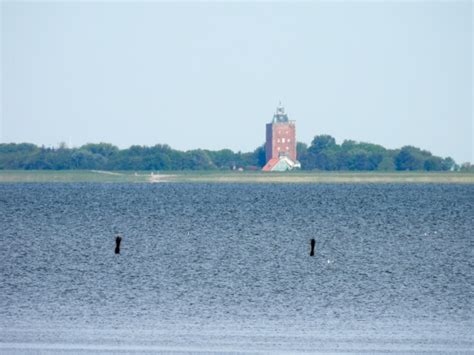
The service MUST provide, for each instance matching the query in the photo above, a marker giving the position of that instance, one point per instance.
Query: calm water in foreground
(225, 268)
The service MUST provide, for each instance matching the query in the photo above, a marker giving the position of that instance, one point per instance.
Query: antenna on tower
(280, 109)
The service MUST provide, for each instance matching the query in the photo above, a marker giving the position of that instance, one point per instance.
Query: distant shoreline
(303, 177)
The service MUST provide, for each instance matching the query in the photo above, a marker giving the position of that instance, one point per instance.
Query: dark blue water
(226, 268)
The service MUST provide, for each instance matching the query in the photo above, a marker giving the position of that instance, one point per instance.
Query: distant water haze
(210, 75)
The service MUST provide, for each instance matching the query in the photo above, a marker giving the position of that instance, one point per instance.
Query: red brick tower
(281, 136)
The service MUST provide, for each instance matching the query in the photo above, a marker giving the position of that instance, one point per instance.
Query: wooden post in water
(313, 244)
(117, 244)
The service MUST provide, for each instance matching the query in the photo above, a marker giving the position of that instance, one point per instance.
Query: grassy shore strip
(75, 176)
(326, 177)
(70, 176)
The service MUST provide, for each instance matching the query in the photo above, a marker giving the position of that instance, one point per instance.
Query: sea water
(226, 268)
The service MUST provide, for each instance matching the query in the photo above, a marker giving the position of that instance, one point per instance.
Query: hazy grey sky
(209, 75)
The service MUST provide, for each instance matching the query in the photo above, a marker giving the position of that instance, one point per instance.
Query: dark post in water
(313, 244)
(117, 244)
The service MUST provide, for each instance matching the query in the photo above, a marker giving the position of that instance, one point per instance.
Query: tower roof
(280, 115)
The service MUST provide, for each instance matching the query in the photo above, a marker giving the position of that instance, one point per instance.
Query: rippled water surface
(226, 268)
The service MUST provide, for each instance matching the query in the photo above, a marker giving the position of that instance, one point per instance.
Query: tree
(322, 142)
(84, 159)
(222, 159)
(323, 154)
(448, 164)
(301, 150)
(197, 160)
(358, 159)
(259, 156)
(409, 158)
(105, 149)
(433, 164)
(386, 164)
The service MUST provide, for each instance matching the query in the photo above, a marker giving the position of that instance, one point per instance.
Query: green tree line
(325, 154)
(322, 154)
(105, 156)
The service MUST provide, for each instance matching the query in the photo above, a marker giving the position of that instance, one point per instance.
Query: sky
(210, 74)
